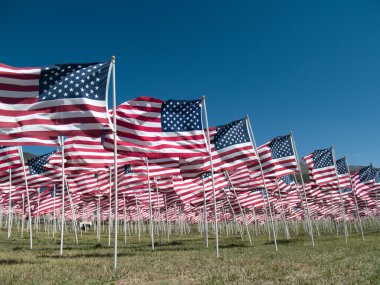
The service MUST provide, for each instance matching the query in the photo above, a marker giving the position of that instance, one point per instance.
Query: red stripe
(184, 137)
(21, 76)
(17, 68)
(20, 88)
(53, 109)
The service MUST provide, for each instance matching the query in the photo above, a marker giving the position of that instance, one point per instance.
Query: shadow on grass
(85, 255)
(15, 261)
(283, 241)
(233, 245)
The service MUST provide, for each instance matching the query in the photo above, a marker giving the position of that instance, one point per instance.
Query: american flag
(154, 128)
(158, 167)
(37, 174)
(231, 148)
(277, 158)
(62, 99)
(83, 152)
(286, 184)
(343, 175)
(364, 181)
(321, 166)
(9, 158)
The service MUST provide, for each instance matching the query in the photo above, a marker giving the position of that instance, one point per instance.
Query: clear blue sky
(308, 66)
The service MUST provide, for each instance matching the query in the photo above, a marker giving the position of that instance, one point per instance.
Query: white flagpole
(27, 196)
(212, 175)
(356, 201)
(250, 132)
(205, 221)
(340, 195)
(150, 205)
(110, 208)
(23, 213)
(10, 205)
(54, 222)
(63, 195)
(73, 211)
(303, 188)
(241, 209)
(125, 219)
(115, 159)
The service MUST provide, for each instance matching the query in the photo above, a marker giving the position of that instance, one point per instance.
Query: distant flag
(44, 102)
(37, 174)
(321, 166)
(231, 148)
(277, 158)
(155, 128)
(86, 151)
(9, 158)
(364, 181)
(343, 175)
(286, 184)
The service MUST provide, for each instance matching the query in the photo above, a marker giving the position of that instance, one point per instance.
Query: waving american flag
(43, 102)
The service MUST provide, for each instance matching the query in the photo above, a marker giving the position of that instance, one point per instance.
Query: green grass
(185, 260)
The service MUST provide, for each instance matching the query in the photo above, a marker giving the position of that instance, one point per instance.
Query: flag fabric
(277, 158)
(364, 181)
(321, 166)
(83, 152)
(155, 128)
(44, 102)
(9, 158)
(231, 148)
(286, 184)
(37, 174)
(343, 176)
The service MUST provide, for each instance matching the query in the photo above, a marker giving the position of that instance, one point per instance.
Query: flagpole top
(203, 97)
(113, 58)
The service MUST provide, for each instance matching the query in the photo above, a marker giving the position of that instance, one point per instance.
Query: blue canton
(231, 134)
(127, 169)
(43, 189)
(206, 175)
(288, 179)
(366, 174)
(181, 115)
(281, 147)
(37, 164)
(63, 81)
(346, 190)
(323, 158)
(341, 166)
(377, 176)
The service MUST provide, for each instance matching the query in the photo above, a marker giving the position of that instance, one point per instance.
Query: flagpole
(303, 188)
(340, 195)
(27, 196)
(110, 208)
(10, 205)
(241, 209)
(283, 211)
(356, 201)
(73, 211)
(125, 219)
(212, 175)
(150, 205)
(115, 158)
(250, 132)
(63, 194)
(205, 221)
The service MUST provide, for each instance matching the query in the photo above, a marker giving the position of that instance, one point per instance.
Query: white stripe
(21, 71)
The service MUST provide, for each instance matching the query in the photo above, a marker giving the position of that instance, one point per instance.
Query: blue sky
(308, 66)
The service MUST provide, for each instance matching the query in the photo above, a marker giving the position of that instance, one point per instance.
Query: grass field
(185, 260)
